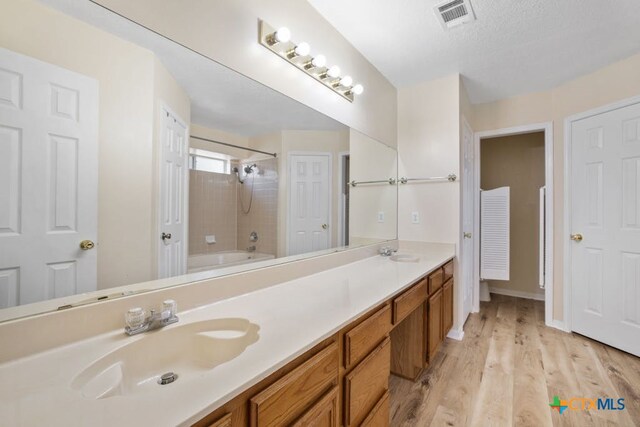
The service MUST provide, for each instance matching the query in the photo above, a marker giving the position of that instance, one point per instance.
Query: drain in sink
(168, 378)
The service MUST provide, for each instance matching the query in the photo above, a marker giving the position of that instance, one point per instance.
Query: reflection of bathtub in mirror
(204, 262)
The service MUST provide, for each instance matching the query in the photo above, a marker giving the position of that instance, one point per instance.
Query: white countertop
(292, 316)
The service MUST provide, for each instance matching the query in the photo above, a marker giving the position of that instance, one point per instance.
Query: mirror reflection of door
(309, 203)
(174, 152)
(48, 180)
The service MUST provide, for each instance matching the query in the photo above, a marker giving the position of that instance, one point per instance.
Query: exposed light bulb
(346, 81)
(319, 61)
(334, 71)
(302, 49)
(283, 35)
(357, 89)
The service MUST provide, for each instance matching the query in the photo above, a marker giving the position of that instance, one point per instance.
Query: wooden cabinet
(408, 347)
(379, 416)
(409, 301)
(344, 380)
(434, 322)
(323, 414)
(285, 400)
(225, 421)
(366, 384)
(359, 341)
(447, 307)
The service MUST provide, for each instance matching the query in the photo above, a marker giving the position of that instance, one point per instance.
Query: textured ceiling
(220, 97)
(514, 46)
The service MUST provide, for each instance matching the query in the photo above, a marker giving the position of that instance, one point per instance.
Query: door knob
(576, 237)
(466, 235)
(324, 226)
(166, 236)
(85, 245)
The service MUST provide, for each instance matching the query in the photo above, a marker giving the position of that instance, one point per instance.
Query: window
(209, 161)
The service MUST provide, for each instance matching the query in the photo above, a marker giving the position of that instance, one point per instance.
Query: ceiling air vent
(456, 12)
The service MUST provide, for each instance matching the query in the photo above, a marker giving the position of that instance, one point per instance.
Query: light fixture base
(283, 50)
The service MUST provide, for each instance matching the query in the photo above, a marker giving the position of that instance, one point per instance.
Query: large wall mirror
(126, 158)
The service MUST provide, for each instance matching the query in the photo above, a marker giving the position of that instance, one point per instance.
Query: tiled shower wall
(215, 209)
(263, 216)
(212, 211)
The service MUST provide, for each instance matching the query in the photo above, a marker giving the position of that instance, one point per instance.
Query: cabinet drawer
(366, 383)
(286, 399)
(379, 416)
(363, 338)
(222, 422)
(409, 301)
(323, 414)
(436, 279)
(448, 271)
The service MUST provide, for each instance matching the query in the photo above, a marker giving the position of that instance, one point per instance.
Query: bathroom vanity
(316, 350)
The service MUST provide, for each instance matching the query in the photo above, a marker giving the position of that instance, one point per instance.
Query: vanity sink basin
(184, 351)
(404, 258)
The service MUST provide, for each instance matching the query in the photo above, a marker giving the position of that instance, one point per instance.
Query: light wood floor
(507, 370)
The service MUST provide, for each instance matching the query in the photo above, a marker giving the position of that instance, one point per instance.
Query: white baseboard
(456, 334)
(518, 294)
(559, 324)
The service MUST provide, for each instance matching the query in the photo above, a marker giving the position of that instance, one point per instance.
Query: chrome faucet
(251, 248)
(137, 322)
(387, 251)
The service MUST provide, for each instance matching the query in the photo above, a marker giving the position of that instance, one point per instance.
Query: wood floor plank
(507, 349)
(494, 404)
(530, 399)
(624, 372)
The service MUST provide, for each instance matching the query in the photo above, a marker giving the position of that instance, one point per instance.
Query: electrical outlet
(381, 216)
(415, 217)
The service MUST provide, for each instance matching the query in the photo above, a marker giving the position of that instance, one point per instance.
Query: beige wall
(372, 161)
(126, 75)
(428, 145)
(227, 31)
(517, 162)
(609, 84)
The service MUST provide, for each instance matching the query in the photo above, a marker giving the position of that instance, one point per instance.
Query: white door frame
(567, 311)
(162, 108)
(341, 204)
(547, 128)
(291, 154)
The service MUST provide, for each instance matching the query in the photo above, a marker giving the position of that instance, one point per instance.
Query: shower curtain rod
(233, 145)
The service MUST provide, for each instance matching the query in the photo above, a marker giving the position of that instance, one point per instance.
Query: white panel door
(174, 175)
(48, 180)
(309, 203)
(605, 211)
(467, 246)
(494, 234)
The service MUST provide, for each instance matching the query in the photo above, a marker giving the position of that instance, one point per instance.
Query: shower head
(249, 168)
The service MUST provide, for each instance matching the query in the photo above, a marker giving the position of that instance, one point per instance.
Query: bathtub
(204, 262)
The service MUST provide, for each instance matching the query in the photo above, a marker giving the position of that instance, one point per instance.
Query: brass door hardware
(576, 237)
(324, 226)
(85, 245)
(466, 235)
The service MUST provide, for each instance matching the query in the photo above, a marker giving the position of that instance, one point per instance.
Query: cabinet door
(447, 307)
(323, 414)
(222, 422)
(379, 416)
(434, 322)
(366, 383)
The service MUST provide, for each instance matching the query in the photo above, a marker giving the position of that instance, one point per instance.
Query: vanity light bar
(299, 55)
